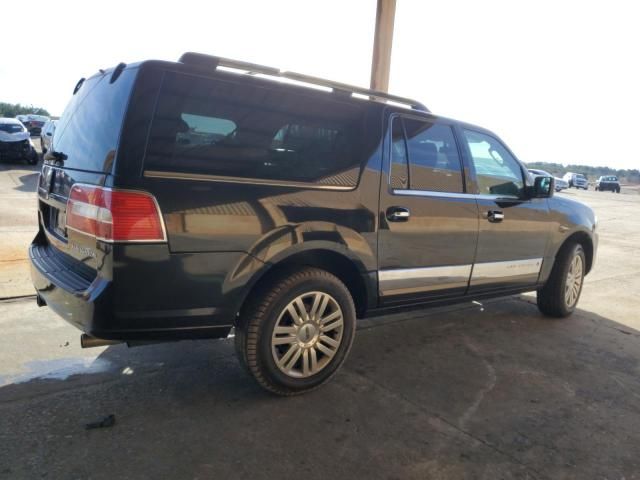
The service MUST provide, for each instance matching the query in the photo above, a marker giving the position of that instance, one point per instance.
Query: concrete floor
(487, 392)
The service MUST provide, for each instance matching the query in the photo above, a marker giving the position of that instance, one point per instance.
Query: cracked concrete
(481, 392)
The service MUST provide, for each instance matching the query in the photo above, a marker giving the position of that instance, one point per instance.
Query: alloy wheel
(307, 334)
(573, 282)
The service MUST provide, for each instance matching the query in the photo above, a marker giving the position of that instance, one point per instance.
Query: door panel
(429, 252)
(513, 230)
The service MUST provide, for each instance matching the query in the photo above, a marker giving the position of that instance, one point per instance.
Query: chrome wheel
(574, 281)
(307, 334)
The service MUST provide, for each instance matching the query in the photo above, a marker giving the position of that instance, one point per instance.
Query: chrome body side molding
(241, 180)
(415, 280)
(508, 271)
(430, 279)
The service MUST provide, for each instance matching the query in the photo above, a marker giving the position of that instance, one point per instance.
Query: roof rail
(210, 61)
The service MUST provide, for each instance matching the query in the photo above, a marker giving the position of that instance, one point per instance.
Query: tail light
(114, 215)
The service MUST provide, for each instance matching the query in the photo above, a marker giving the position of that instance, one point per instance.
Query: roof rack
(210, 61)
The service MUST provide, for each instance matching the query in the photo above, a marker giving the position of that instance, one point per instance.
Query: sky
(558, 81)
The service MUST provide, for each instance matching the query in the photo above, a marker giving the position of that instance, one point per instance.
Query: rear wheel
(297, 332)
(560, 295)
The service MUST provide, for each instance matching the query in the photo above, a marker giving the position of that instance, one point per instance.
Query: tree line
(11, 110)
(592, 173)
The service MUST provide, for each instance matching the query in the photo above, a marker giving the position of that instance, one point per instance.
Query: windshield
(11, 127)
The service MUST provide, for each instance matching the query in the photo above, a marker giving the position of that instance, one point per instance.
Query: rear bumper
(88, 304)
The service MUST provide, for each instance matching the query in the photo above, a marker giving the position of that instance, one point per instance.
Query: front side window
(237, 129)
(497, 171)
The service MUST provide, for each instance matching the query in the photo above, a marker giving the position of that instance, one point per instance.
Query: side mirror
(48, 134)
(543, 187)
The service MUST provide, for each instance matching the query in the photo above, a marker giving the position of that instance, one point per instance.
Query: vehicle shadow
(474, 392)
(28, 181)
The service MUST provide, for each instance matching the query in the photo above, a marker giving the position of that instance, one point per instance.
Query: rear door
(513, 230)
(428, 223)
(83, 151)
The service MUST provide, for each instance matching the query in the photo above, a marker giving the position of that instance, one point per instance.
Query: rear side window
(235, 129)
(433, 157)
(89, 129)
(430, 153)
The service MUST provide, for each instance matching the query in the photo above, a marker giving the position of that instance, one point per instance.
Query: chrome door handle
(495, 216)
(398, 214)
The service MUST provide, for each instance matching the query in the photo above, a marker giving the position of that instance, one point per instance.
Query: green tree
(13, 109)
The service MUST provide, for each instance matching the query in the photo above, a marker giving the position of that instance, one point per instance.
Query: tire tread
(254, 315)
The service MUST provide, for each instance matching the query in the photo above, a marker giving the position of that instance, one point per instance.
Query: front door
(513, 230)
(428, 223)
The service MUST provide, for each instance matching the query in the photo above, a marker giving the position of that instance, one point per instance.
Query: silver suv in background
(576, 180)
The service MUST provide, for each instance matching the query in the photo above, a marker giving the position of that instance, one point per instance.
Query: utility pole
(382, 43)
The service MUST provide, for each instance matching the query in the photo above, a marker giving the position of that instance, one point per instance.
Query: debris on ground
(106, 422)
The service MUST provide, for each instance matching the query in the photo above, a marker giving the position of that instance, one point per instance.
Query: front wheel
(297, 331)
(560, 295)
(32, 158)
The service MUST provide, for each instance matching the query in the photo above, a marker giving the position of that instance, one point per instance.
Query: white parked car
(15, 142)
(576, 180)
(559, 182)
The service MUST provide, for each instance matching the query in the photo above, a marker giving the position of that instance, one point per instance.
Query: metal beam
(382, 43)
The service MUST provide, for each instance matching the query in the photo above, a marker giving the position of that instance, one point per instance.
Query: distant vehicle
(239, 201)
(576, 180)
(46, 135)
(34, 123)
(560, 184)
(608, 182)
(15, 142)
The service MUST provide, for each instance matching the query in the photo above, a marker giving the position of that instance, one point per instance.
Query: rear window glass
(89, 129)
(236, 129)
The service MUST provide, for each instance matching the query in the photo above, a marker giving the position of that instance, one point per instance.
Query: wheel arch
(340, 265)
(583, 239)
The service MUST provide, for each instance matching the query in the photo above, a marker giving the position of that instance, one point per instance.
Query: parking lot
(492, 390)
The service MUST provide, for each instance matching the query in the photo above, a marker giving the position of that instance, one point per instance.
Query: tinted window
(433, 157)
(498, 173)
(242, 129)
(89, 129)
(399, 157)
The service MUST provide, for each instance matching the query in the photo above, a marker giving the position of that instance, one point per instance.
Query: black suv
(186, 199)
(608, 182)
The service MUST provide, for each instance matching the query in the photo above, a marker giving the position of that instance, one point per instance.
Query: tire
(554, 299)
(32, 159)
(269, 355)
(617, 190)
